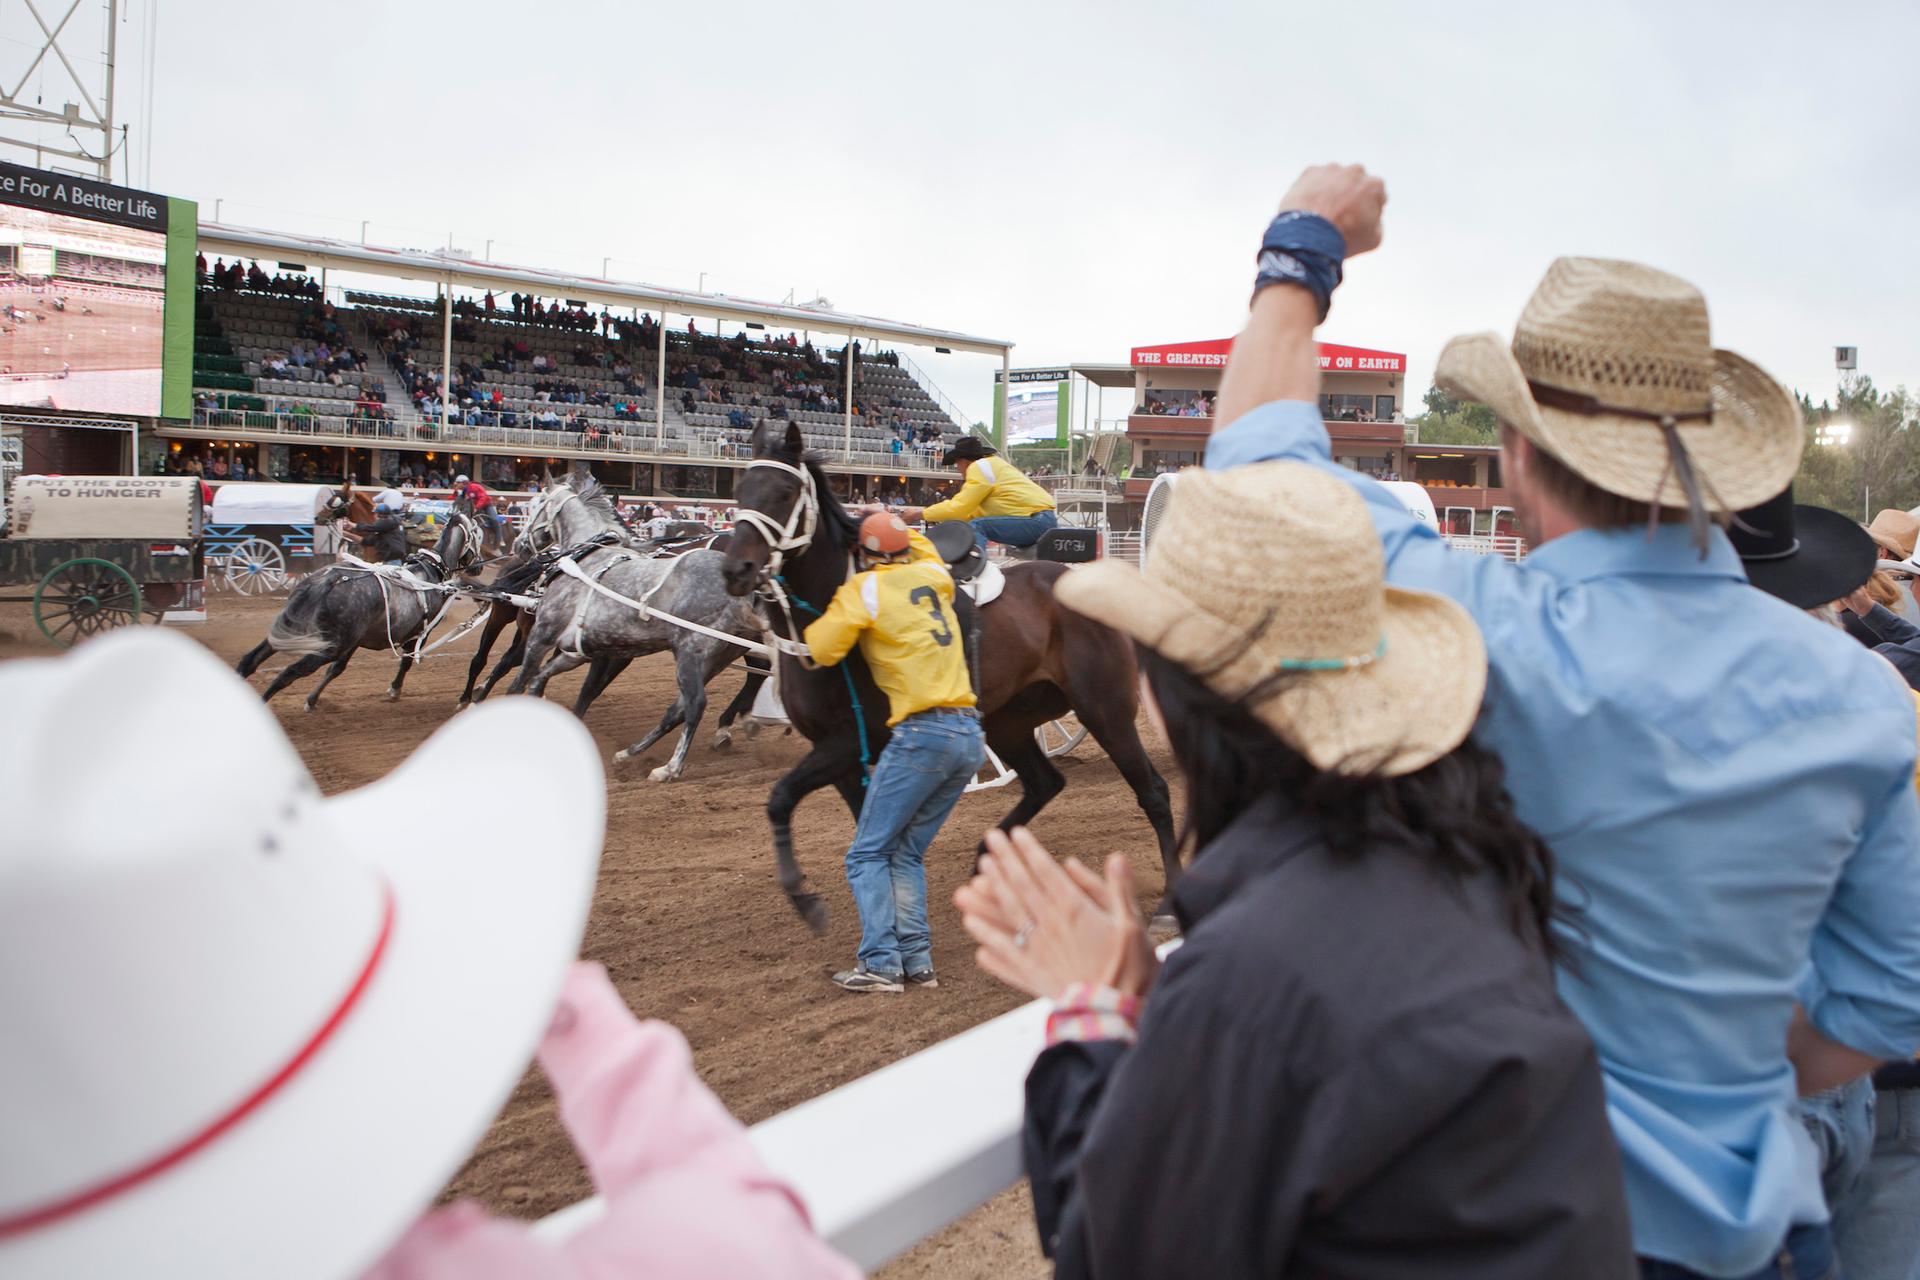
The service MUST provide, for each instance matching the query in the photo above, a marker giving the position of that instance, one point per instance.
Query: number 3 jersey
(902, 617)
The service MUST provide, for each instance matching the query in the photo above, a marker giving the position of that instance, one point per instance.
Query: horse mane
(522, 575)
(832, 514)
(587, 487)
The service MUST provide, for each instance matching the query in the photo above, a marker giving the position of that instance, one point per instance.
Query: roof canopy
(1213, 355)
(315, 252)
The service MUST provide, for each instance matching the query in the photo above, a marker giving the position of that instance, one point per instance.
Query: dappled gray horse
(346, 607)
(579, 621)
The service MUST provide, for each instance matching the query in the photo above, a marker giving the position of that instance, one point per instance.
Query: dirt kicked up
(688, 917)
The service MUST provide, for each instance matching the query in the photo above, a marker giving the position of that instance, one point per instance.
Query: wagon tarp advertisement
(159, 507)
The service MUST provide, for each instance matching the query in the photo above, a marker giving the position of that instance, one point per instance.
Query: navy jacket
(1353, 1067)
(1889, 635)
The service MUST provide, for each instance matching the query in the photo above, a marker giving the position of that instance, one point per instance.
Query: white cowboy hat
(1606, 359)
(1267, 582)
(251, 1031)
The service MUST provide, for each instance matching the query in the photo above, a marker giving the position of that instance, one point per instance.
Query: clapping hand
(1042, 926)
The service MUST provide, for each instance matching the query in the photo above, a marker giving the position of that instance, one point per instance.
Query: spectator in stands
(1356, 1064)
(1670, 731)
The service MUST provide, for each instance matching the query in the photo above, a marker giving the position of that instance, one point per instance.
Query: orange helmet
(883, 534)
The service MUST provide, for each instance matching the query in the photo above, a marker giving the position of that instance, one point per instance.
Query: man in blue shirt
(1727, 784)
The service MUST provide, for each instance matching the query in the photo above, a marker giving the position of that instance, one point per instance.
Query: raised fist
(1345, 195)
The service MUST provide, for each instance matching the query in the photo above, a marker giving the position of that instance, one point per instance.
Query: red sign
(1213, 355)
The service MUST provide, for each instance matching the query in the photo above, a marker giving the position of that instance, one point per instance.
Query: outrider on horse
(793, 543)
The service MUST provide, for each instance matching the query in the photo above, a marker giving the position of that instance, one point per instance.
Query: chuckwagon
(100, 551)
(259, 535)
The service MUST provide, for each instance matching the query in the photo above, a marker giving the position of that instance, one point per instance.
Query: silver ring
(1021, 935)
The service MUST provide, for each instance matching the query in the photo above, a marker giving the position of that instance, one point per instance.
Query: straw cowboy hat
(1612, 370)
(254, 1032)
(1806, 555)
(1267, 582)
(1895, 532)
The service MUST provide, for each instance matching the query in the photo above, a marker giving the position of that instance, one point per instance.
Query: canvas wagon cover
(45, 507)
(243, 502)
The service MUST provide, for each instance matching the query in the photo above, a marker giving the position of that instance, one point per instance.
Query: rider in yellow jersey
(997, 499)
(899, 610)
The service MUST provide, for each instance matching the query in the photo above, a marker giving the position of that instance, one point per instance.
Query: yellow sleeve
(965, 504)
(832, 635)
(920, 549)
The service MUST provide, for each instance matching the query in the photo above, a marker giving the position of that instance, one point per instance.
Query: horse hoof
(664, 773)
(309, 707)
(723, 740)
(624, 753)
(392, 695)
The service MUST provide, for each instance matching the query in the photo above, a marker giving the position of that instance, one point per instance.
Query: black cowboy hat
(1807, 556)
(966, 449)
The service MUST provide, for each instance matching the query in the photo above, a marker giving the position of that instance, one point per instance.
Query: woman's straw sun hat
(1267, 582)
(1613, 371)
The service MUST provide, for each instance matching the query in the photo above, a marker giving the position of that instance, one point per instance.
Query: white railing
(887, 1160)
(1506, 545)
(635, 440)
(947, 1141)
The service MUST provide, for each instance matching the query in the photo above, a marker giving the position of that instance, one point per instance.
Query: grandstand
(536, 380)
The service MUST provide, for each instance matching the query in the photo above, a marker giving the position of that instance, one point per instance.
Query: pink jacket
(686, 1193)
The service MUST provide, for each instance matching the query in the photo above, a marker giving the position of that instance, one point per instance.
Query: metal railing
(628, 441)
(1505, 545)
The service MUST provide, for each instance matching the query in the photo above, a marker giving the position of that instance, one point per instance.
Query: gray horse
(343, 608)
(575, 623)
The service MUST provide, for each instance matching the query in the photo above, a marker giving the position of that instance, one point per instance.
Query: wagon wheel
(81, 597)
(1058, 737)
(255, 566)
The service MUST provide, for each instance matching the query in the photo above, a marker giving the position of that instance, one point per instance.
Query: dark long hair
(1455, 814)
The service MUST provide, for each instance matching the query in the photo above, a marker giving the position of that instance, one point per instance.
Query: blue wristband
(1303, 249)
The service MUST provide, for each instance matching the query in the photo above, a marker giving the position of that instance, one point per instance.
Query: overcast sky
(1082, 178)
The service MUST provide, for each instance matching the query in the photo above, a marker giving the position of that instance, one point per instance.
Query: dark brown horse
(1036, 661)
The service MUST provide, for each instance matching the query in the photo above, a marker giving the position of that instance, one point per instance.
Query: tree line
(1862, 455)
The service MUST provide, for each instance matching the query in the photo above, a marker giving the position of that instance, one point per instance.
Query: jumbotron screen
(96, 314)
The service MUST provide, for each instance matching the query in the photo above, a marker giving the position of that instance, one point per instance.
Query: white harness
(794, 534)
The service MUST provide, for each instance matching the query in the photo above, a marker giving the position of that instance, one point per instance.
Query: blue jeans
(1012, 531)
(1876, 1225)
(1840, 1122)
(927, 764)
(1806, 1254)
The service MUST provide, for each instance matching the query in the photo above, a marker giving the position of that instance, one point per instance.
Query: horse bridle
(542, 522)
(795, 533)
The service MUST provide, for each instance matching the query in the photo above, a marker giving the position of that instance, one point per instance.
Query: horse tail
(296, 628)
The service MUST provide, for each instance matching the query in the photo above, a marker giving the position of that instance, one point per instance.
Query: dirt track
(689, 919)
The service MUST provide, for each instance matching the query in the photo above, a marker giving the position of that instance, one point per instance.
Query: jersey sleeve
(833, 634)
(965, 504)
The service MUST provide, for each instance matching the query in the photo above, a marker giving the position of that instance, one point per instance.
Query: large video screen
(83, 295)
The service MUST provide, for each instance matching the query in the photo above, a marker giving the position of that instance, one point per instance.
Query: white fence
(889, 1159)
(944, 1125)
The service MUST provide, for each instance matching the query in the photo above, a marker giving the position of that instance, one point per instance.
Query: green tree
(1449, 421)
(1870, 463)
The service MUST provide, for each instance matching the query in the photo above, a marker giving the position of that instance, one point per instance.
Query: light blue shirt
(1728, 789)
